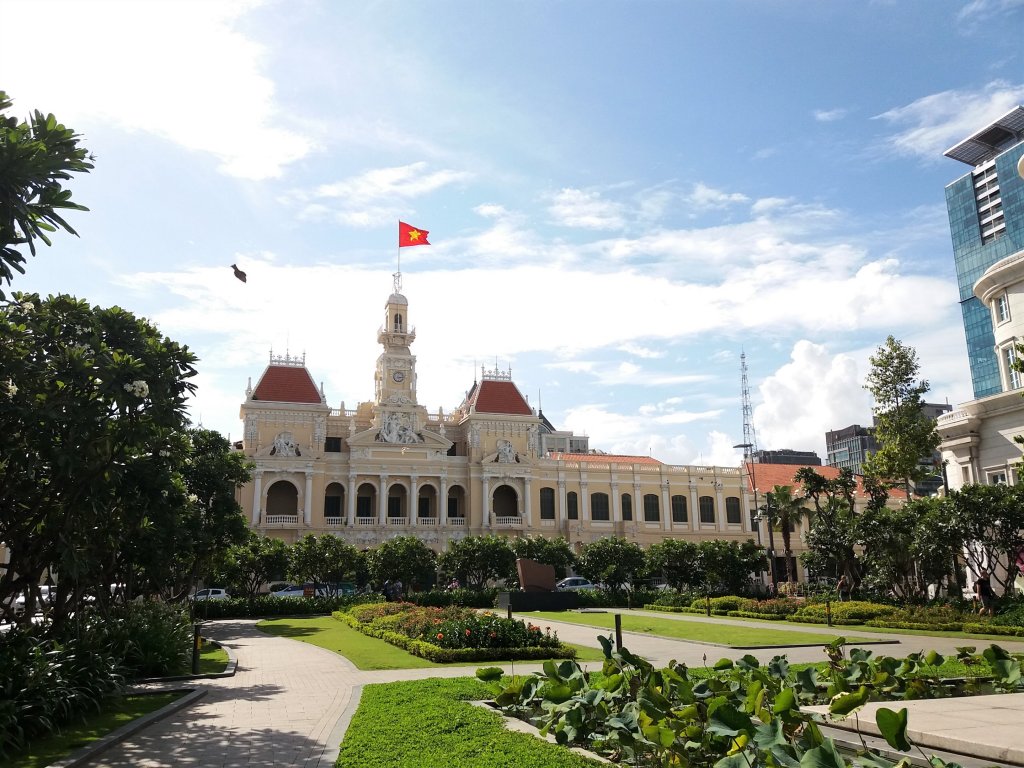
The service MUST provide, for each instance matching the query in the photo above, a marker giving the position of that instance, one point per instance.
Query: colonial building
(491, 465)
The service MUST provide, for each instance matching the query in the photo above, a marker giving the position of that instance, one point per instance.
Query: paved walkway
(289, 703)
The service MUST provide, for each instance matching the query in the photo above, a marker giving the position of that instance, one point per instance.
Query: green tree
(614, 562)
(785, 511)
(904, 433)
(677, 561)
(831, 536)
(475, 560)
(727, 567)
(92, 409)
(886, 537)
(990, 525)
(257, 561)
(405, 558)
(37, 156)
(554, 552)
(323, 560)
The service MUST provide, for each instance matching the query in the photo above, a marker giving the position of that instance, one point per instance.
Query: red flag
(409, 235)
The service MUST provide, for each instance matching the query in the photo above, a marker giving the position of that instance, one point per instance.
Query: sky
(622, 197)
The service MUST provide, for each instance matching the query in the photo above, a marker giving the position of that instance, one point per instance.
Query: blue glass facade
(973, 257)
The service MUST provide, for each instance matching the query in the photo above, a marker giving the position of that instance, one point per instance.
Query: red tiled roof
(286, 384)
(769, 475)
(603, 458)
(499, 397)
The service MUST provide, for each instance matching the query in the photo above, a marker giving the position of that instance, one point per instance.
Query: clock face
(398, 376)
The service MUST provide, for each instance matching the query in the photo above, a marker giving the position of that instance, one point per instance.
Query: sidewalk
(289, 703)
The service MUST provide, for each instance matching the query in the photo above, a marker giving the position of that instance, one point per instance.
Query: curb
(229, 669)
(85, 755)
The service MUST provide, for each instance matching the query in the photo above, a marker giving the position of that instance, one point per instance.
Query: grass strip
(366, 653)
(48, 749)
(681, 629)
(430, 724)
(212, 659)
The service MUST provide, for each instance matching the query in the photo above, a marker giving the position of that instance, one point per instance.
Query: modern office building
(491, 464)
(986, 214)
(848, 448)
(788, 456)
(986, 221)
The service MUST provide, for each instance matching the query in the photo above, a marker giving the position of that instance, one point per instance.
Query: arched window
(366, 500)
(627, 507)
(707, 510)
(679, 509)
(652, 511)
(334, 500)
(398, 323)
(505, 502)
(282, 499)
(572, 506)
(599, 506)
(732, 510)
(547, 503)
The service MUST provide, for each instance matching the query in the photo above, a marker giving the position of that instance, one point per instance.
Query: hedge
(756, 615)
(993, 629)
(265, 605)
(954, 626)
(440, 655)
(467, 598)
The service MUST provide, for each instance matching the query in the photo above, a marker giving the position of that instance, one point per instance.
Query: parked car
(574, 583)
(304, 590)
(46, 595)
(211, 594)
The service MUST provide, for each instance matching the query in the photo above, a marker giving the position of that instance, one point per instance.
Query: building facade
(787, 456)
(978, 437)
(848, 448)
(490, 465)
(986, 221)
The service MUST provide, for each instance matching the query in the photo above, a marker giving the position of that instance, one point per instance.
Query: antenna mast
(749, 433)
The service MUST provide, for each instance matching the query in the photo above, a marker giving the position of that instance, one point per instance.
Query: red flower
(468, 632)
(440, 636)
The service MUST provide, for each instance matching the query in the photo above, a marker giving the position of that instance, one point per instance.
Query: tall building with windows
(491, 464)
(986, 215)
(986, 221)
(849, 447)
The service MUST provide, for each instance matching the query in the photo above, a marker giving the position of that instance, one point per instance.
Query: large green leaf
(729, 721)
(893, 727)
(843, 704)
(824, 756)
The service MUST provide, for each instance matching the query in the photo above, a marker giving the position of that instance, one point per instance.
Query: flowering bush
(778, 607)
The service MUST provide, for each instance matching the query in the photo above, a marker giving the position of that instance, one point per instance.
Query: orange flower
(468, 632)
(440, 636)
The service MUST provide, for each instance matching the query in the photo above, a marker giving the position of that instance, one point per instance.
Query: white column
(694, 516)
(414, 499)
(527, 503)
(486, 484)
(746, 511)
(382, 501)
(442, 511)
(561, 501)
(307, 507)
(666, 507)
(584, 511)
(638, 504)
(350, 501)
(719, 506)
(257, 497)
(616, 504)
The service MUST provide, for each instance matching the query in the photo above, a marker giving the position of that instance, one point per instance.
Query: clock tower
(396, 413)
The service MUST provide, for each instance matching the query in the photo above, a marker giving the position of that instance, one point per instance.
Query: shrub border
(440, 655)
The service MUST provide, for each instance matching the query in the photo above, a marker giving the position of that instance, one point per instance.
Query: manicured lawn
(430, 724)
(212, 659)
(681, 629)
(365, 652)
(49, 749)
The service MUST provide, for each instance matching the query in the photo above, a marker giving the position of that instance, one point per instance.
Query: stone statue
(285, 445)
(506, 452)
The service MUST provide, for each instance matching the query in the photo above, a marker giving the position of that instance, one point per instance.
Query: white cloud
(133, 62)
(706, 197)
(932, 124)
(586, 210)
(830, 115)
(811, 394)
(640, 351)
(979, 11)
(490, 211)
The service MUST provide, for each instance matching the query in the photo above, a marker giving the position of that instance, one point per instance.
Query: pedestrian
(983, 589)
(387, 590)
(843, 588)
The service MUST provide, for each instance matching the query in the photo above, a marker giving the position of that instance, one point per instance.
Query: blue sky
(621, 196)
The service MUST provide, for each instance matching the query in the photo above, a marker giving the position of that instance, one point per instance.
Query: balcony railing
(457, 521)
(513, 521)
(427, 521)
(366, 521)
(281, 520)
(334, 522)
(398, 521)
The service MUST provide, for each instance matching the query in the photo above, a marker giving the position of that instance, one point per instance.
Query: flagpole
(398, 275)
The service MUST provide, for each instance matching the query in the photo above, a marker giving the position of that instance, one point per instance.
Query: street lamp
(758, 517)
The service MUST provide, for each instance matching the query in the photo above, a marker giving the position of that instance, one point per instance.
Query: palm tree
(787, 512)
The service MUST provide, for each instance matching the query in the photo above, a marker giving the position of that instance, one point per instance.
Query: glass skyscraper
(986, 221)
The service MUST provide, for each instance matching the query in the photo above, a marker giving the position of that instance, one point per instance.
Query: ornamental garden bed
(454, 634)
